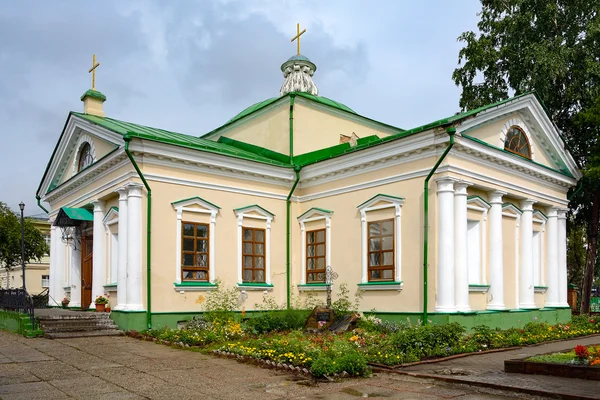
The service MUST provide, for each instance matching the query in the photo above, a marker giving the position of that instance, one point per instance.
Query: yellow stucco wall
(101, 148)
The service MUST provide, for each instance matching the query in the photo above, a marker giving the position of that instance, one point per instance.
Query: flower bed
(582, 362)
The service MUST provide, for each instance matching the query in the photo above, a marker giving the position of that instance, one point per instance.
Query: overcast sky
(189, 66)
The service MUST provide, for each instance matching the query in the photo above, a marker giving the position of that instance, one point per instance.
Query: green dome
(252, 108)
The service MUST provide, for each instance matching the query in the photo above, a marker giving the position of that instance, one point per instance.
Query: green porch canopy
(72, 216)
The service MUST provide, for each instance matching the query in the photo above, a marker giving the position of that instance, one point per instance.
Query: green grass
(556, 358)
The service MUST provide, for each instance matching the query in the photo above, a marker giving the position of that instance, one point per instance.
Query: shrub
(353, 363)
(221, 303)
(280, 320)
(343, 305)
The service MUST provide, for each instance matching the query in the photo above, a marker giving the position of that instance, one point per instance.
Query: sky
(189, 66)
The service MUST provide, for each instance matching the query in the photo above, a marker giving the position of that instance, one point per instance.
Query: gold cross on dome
(93, 71)
(298, 36)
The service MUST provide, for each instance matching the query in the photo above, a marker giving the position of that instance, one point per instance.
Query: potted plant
(101, 302)
(65, 302)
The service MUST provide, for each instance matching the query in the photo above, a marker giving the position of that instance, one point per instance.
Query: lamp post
(22, 207)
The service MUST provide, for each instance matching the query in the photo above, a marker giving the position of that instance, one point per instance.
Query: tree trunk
(590, 259)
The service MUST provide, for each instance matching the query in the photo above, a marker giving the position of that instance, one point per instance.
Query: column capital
(552, 212)
(460, 188)
(445, 184)
(527, 205)
(135, 189)
(123, 192)
(98, 205)
(562, 213)
(495, 196)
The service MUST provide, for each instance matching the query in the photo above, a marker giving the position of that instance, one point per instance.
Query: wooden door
(86, 271)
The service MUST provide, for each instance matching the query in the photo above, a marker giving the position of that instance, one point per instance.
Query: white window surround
(83, 139)
(476, 203)
(371, 205)
(521, 125)
(512, 211)
(541, 218)
(206, 208)
(314, 214)
(111, 218)
(255, 212)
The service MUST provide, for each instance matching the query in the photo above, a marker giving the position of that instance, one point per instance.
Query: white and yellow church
(462, 219)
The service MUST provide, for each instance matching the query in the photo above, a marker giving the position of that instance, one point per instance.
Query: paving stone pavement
(125, 368)
(489, 369)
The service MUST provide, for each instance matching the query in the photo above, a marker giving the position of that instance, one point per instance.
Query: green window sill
(479, 288)
(540, 289)
(194, 286)
(110, 286)
(255, 286)
(313, 287)
(381, 285)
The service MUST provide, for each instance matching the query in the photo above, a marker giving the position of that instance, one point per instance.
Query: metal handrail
(17, 300)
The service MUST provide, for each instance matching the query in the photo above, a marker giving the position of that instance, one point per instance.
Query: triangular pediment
(111, 216)
(511, 210)
(381, 201)
(197, 204)
(254, 210)
(315, 212)
(64, 162)
(478, 202)
(490, 127)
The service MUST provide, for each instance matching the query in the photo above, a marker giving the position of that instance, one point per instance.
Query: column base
(445, 309)
(528, 306)
(496, 307)
(74, 304)
(134, 307)
(463, 308)
(564, 305)
(120, 307)
(552, 305)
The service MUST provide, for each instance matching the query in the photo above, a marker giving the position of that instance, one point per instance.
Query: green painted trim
(291, 139)
(127, 139)
(40, 204)
(195, 284)
(19, 323)
(110, 285)
(561, 172)
(451, 131)
(536, 211)
(79, 214)
(480, 198)
(540, 287)
(476, 285)
(306, 285)
(254, 205)
(284, 158)
(380, 283)
(380, 195)
(93, 94)
(267, 285)
(113, 208)
(288, 242)
(323, 210)
(196, 198)
(506, 205)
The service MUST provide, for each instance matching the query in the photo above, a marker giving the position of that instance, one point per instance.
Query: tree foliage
(553, 48)
(10, 239)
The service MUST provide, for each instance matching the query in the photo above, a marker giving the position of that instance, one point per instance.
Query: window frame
(314, 214)
(315, 257)
(195, 253)
(81, 155)
(541, 219)
(381, 251)
(524, 136)
(47, 280)
(254, 256)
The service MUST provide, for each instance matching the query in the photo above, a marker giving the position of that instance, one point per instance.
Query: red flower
(581, 352)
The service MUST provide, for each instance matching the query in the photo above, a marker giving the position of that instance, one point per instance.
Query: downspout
(40, 204)
(288, 253)
(451, 131)
(577, 189)
(127, 139)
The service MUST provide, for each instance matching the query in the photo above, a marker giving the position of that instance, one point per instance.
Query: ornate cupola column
(445, 253)
(134, 247)
(562, 258)
(298, 72)
(552, 294)
(495, 252)
(526, 292)
(122, 256)
(461, 272)
(99, 249)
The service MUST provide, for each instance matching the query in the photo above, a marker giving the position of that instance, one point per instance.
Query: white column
(268, 253)
(178, 229)
(99, 252)
(122, 256)
(552, 293)
(53, 299)
(461, 272)
(60, 250)
(526, 292)
(365, 252)
(134, 247)
(303, 252)
(398, 244)
(211, 245)
(445, 248)
(75, 275)
(562, 258)
(495, 252)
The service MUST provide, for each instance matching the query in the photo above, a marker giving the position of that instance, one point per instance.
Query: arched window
(85, 157)
(516, 142)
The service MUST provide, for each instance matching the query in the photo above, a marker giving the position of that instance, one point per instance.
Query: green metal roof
(253, 107)
(326, 101)
(177, 139)
(79, 214)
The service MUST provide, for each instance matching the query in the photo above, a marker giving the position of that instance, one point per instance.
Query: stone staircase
(62, 324)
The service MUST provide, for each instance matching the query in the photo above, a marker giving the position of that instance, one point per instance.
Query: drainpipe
(451, 131)
(577, 189)
(40, 204)
(292, 97)
(289, 238)
(127, 138)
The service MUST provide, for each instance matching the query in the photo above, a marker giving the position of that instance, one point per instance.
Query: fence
(17, 300)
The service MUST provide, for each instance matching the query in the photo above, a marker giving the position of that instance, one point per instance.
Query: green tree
(10, 240)
(552, 47)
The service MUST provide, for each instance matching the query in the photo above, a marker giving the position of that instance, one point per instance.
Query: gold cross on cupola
(93, 71)
(298, 36)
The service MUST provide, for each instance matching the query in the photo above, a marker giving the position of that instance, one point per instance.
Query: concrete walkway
(488, 369)
(126, 368)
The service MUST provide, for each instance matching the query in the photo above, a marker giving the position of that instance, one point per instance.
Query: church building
(462, 219)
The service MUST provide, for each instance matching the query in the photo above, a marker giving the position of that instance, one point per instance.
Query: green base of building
(494, 319)
(19, 323)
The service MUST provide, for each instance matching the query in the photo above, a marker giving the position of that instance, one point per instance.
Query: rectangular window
(474, 252)
(253, 254)
(381, 250)
(45, 281)
(194, 257)
(315, 256)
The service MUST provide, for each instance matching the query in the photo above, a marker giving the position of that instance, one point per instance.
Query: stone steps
(62, 325)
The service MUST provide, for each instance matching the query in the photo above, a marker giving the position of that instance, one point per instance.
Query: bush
(429, 340)
(221, 303)
(280, 320)
(353, 363)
